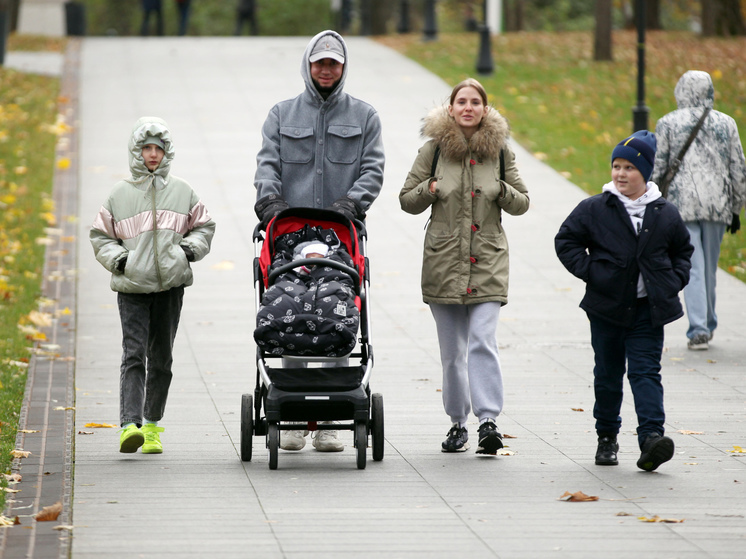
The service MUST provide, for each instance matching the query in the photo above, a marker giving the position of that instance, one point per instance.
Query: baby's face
(314, 255)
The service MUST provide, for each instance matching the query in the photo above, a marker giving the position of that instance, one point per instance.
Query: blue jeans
(149, 324)
(641, 346)
(699, 294)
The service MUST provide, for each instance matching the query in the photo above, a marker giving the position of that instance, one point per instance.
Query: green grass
(571, 111)
(28, 108)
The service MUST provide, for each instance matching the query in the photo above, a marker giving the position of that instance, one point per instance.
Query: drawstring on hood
(145, 130)
(305, 68)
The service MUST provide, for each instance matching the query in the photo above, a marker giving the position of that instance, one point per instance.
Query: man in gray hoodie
(709, 191)
(323, 148)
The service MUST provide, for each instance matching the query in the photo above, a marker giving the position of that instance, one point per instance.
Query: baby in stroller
(312, 309)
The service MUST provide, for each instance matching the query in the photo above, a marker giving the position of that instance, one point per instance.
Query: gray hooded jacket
(711, 182)
(315, 151)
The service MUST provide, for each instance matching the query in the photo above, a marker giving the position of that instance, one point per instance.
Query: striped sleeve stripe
(198, 216)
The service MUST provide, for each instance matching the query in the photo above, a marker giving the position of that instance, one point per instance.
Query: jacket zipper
(155, 241)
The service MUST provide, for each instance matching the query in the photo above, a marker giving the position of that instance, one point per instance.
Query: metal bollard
(431, 25)
(485, 66)
(75, 19)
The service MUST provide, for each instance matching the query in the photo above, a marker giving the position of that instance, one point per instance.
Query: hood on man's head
(694, 89)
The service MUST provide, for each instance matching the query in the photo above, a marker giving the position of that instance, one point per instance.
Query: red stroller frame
(299, 398)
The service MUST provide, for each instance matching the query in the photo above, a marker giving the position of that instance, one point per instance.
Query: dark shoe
(490, 441)
(699, 342)
(655, 450)
(606, 451)
(457, 440)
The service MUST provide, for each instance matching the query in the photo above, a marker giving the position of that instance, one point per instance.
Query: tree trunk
(709, 12)
(513, 15)
(602, 38)
(653, 14)
(381, 11)
(731, 19)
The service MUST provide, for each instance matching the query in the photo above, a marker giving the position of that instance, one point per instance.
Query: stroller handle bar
(352, 272)
(260, 229)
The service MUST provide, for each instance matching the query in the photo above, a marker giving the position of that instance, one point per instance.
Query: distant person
(246, 13)
(321, 149)
(183, 7)
(709, 190)
(631, 248)
(154, 8)
(466, 175)
(147, 233)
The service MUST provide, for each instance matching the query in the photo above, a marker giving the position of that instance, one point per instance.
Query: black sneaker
(457, 440)
(655, 450)
(606, 451)
(490, 441)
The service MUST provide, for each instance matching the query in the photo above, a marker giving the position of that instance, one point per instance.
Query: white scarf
(636, 211)
(636, 208)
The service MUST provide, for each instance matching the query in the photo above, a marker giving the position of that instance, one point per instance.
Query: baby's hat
(317, 248)
(638, 149)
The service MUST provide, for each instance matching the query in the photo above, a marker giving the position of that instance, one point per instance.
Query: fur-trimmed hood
(487, 141)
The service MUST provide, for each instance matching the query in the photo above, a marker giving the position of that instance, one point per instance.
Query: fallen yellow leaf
(20, 453)
(63, 163)
(657, 518)
(737, 450)
(685, 432)
(97, 425)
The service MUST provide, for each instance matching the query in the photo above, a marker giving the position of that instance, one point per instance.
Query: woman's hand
(433, 186)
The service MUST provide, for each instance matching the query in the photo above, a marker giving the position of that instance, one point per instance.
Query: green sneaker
(152, 439)
(130, 439)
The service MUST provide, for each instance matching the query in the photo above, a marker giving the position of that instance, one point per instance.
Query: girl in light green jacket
(147, 233)
(466, 175)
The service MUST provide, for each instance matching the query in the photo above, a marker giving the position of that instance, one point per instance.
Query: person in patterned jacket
(148, 231)
(709, 191)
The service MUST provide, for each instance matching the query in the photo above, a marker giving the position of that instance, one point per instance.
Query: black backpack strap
(502, 165)
(436, 155)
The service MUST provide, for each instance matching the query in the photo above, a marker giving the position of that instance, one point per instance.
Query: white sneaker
(292, 440)
(327, 441)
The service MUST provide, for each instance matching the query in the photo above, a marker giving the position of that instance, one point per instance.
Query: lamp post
(485, 65)
(640, 112)
(431, 27)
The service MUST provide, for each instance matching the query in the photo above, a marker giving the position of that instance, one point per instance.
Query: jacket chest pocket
(343, 143)
(296, 144)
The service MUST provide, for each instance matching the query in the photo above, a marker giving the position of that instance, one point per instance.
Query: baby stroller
(312, 381)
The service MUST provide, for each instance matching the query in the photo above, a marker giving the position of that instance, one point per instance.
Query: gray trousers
(149, 324)
(472, 379)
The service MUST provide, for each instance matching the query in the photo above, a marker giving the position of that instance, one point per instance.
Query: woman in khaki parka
(465, 260)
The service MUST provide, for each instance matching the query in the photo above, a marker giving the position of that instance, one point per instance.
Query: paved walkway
(199, 500)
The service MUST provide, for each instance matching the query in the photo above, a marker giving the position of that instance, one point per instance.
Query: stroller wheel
(376, 414)
(273, 443)
(361, 443)
(247, 426)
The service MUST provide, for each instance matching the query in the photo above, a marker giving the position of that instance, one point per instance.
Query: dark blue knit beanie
(638, 149)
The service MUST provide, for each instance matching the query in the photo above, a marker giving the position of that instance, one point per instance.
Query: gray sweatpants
(472, 378)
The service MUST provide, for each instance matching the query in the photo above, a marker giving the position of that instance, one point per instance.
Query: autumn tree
(722, 18)
(602, 36)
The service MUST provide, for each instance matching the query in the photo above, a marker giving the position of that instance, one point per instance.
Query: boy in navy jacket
(631, 248)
